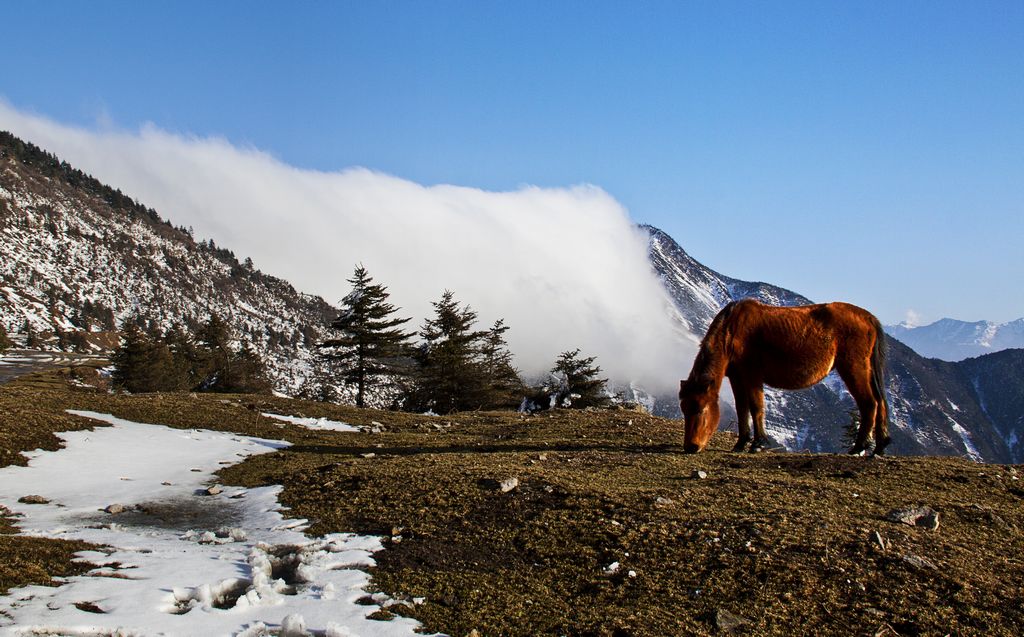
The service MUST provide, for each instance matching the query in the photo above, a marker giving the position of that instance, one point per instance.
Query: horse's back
(795, 346)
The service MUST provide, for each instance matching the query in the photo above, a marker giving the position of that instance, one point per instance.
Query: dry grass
(787, 541)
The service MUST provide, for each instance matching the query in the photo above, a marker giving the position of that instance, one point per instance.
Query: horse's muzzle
(691, 447)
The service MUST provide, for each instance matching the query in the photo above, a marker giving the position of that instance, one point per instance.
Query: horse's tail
(878, 356)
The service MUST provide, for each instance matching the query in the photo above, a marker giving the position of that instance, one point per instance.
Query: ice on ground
(175, 561)
(314, 423)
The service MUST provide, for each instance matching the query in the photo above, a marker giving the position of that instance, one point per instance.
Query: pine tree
(141, 363)
(5, 342)
(450, 374)
(213, 355)
(184, 357)
(371, 348)
(579, 382)
(504, 387)
(222, 369)
(246, 374)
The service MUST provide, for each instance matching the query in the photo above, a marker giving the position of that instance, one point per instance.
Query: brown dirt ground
(786, 541)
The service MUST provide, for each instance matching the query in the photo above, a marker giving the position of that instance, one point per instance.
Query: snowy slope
(952, 340)
(80, 257)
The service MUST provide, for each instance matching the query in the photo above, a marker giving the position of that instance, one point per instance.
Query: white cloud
(565, 267)
(912, 319)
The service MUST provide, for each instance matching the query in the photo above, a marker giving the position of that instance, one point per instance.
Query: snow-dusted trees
(462, 368)
(144, 364)
(577, 381)
(370, 347)
(177, 361)
(5, 342)
(505, 387)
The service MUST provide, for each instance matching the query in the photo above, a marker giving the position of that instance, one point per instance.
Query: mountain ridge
(954, 340)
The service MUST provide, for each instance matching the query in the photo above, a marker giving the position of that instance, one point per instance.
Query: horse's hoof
(740, 446)
(858, 451)
(881, 445)
(757, 447)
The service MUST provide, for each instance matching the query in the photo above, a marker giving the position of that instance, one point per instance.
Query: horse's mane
(712, 346)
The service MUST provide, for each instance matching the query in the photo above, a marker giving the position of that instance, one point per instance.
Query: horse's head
(699, 404)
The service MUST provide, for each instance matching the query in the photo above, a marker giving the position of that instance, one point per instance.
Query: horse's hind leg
(881, 423)
(858, 382)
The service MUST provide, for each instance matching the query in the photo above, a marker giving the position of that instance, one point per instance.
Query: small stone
(728, 622)
(509, 484)
(368, 455)
(114, 509)
(878, 539)
(214, 490)
(33, 499)
(919, 562)
(698, 474)
(915, 516)
(542, 456)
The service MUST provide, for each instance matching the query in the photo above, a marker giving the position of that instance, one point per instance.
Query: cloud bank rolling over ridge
(565, 267)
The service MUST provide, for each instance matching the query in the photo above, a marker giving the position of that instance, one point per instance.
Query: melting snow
(965, 436)
(179, 562)
(314, 423)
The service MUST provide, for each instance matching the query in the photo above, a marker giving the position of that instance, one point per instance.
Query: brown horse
(754, 345)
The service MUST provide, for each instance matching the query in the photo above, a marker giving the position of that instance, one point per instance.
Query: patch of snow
(322, 424)
(178, 562)
(965, 436)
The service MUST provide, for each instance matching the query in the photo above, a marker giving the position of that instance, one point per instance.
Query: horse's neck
(711, 365)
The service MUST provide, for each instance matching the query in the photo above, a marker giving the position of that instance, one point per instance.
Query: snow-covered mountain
(936, 407)
(952, 340)
(79, 257)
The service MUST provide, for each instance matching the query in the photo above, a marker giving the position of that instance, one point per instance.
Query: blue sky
(870, 152)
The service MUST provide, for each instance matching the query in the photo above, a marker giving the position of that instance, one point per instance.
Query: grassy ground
(787, 542)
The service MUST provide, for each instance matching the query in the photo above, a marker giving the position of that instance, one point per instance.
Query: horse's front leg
(757, 413)
(742, 414)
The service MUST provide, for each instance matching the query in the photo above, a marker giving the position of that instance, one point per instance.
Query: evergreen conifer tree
(370, 344)
(184, 357)
(213, 355)
(222, 369)
(579, 381)
(141, 363)
(504, 387)
(246, 374)
(5, 342)
(451, 377)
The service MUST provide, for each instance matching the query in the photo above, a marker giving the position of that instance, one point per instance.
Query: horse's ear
(682, 387)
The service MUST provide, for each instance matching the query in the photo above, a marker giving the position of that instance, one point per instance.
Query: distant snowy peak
(953, 340)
